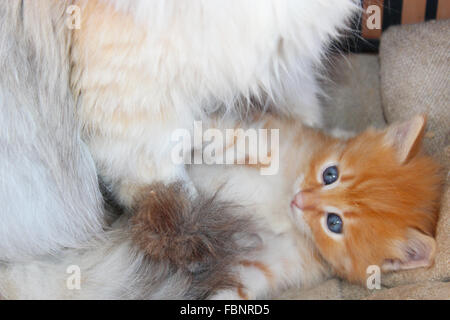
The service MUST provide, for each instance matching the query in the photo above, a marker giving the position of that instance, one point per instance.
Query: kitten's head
(371, 200)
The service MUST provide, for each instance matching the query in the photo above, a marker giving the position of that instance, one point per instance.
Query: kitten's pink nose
(298, 200)
(305, 200)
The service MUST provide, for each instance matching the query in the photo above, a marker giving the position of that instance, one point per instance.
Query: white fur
(194, 58)
(110, 269)
(209, 53)
(49, 194)
(114, 269)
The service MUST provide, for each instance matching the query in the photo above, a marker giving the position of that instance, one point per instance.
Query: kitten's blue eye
(330, 175)
(334, 223)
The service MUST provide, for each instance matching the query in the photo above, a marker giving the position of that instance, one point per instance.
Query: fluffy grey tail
(203, 237)
(49, 194)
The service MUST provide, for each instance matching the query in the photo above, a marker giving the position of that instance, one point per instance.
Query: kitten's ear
(406, 137)
(418, 250)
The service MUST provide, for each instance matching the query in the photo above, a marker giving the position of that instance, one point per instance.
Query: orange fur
(242, 294)
(98, 54)
(382, 200)
(386, 194)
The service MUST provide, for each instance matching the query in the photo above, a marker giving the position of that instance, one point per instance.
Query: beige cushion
(424, 290)
(332, 289)
(415, 73)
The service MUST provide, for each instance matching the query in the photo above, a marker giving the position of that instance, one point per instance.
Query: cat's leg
(285, 260)
(272, 268)
(130, 161)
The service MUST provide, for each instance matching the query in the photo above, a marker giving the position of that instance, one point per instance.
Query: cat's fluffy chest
(142, 69)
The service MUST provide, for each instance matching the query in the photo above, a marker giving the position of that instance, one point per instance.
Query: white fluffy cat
(145, 68)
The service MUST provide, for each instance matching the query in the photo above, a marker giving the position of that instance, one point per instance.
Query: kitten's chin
(297, 216)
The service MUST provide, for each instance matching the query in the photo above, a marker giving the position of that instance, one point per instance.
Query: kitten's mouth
(297, 214)
(296, 206)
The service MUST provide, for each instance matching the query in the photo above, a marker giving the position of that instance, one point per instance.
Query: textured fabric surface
(415, 78)
(424, 290)
(333, 289)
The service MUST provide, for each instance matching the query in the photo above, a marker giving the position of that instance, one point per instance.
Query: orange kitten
(335, 204)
